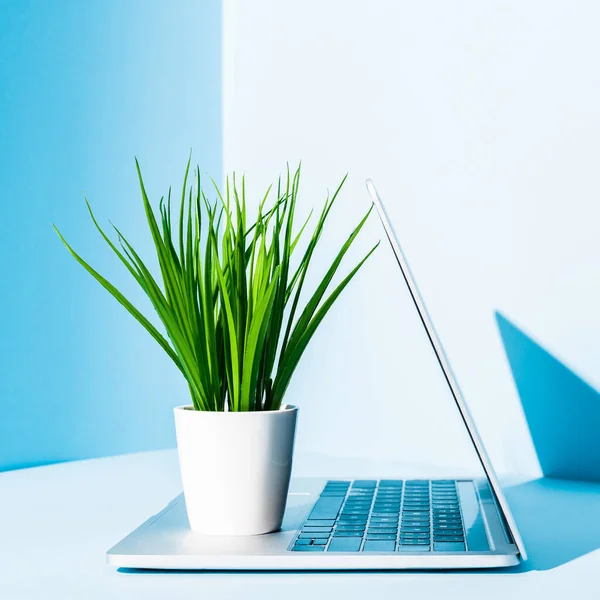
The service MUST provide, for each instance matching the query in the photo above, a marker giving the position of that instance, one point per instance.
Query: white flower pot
(235, 468)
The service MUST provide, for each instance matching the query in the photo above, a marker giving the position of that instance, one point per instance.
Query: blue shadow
(559, 514)
(562, 410)
(558, 519)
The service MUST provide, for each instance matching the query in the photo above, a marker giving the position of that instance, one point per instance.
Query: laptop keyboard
(384, 516)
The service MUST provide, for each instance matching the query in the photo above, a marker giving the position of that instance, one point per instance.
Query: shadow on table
(558, 519)
(559, 515)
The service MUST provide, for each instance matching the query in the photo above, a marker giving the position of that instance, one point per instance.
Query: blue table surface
(57, 522)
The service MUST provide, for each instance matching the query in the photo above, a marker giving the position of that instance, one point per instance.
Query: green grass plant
(230, 289)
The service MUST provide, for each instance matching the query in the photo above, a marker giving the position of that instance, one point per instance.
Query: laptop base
(165, 541)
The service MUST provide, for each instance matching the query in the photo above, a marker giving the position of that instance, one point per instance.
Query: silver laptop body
(354, 524)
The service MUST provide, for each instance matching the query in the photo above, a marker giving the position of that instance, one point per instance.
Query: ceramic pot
(235, 468)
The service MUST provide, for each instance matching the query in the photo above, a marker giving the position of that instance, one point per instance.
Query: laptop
(346, 524)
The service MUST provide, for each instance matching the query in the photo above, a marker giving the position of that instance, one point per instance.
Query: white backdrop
(479, 123)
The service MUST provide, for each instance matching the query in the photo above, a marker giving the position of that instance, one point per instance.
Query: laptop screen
(446, 369)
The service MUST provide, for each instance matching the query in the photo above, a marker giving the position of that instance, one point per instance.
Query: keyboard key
(326, 508)
(384, 520)
(446, 529)
(345, 544)
(308, 548)
(378, 531)
(320, 531)
(319, 523)
(380, 536)
(303, 542)
(419, 542)
(448, 546)
(340, 534)
(379, 546)
(320, 542)
(364, 483)
(414, 548)
(415, 543)
(415, 529)
(308, 536)
(449, 536)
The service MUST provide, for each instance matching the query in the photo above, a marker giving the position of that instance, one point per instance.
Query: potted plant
(229, 298)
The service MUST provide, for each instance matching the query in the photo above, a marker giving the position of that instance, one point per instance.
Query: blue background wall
(85, 87)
